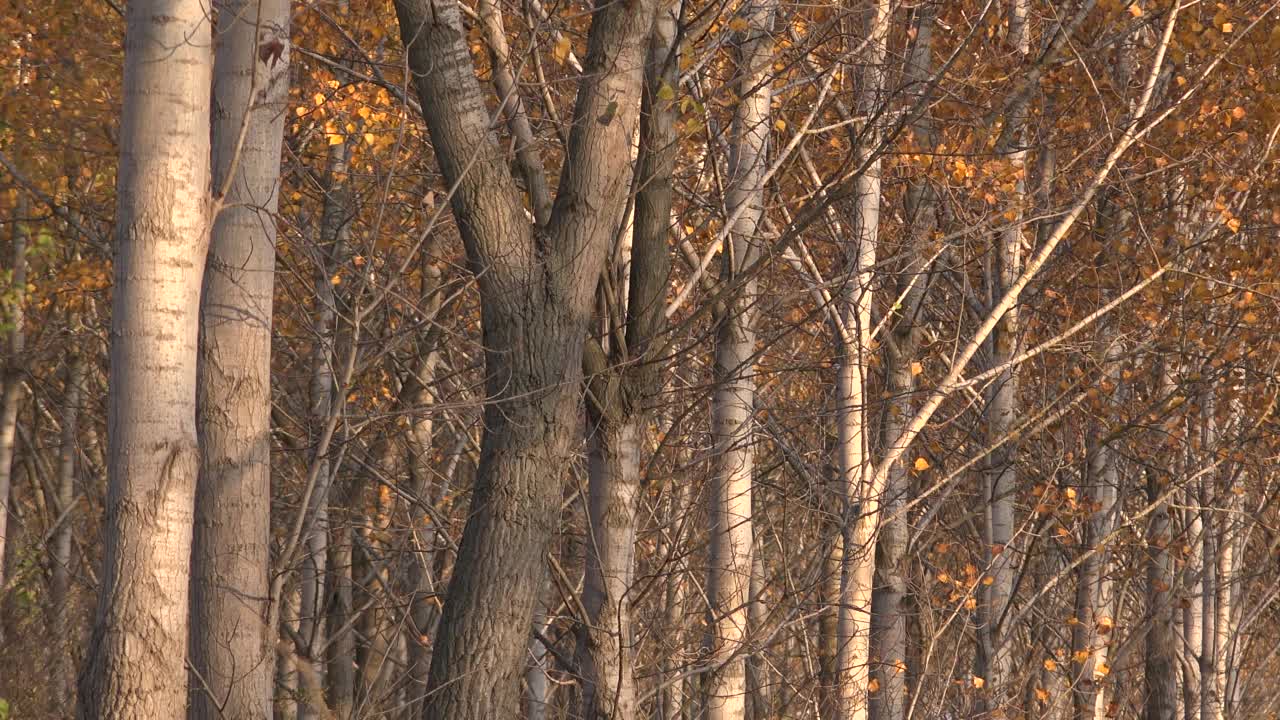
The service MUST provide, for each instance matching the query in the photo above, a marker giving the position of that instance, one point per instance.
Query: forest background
(672, 359)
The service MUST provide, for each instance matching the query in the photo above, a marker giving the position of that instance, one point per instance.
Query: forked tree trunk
(536, 285)
(232, 649)
(135, 667)
(618, 399)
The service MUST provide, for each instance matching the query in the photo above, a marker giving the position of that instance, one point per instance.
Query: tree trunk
(536, 285)
(729, 582)
(1160, 677)
(994, 662)
(618, 399)
(15, 315)
(232, 649)
(134, 668)
(889, 599)
(862, 501)
(60, 581)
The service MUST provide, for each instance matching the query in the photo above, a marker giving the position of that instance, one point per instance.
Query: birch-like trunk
(619, 395)
(135, 667)
(889, 600)
(232, 649)
(729, 580)
(994, 661)
(862, 501)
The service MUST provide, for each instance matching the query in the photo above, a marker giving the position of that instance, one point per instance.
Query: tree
(537, 283)
(232, 648)
(162, 234)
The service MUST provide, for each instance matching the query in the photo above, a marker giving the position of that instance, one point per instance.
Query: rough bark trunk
(232, 649)
(729, 581)
(134, 668)
(536, 285)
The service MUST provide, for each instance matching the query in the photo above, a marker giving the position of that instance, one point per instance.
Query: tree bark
(889, 600)
(994, 661)
(134, 668)
(60, 555)
(618, 397)
(1160, 677)
(232, 649)
(536, 284)
(729, 582)
(862, 498)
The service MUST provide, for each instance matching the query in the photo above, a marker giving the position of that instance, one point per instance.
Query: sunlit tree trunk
(135, 667)
(889, 600)
(995, 657)
(862, 501)
(729, 581)
(232, 649)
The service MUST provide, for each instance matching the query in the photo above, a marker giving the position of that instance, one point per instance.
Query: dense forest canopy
(671, 359)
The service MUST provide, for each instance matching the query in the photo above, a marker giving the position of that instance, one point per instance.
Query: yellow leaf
(1227, 28)
(1050, 664)
(779, 124)
(1135, 10)
(318, 98)
(1080, 656)
(335, 139)
(336, 280)
(921, 464)
(369, 138)
(873, 684)
(971, 603)
(916, 368)
(1042, 695)
(561, 51)
(988, 580)
(1101, 670)
(301, 111)
(1234, 225)
(1250, 317)
(978, 681)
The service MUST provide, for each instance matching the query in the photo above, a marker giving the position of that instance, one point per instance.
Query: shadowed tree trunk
(536, 284)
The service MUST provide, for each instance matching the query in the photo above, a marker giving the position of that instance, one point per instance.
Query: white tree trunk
(729, 582)
(995, 658)
(232, 649)
(134, 668)
(862, 500)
